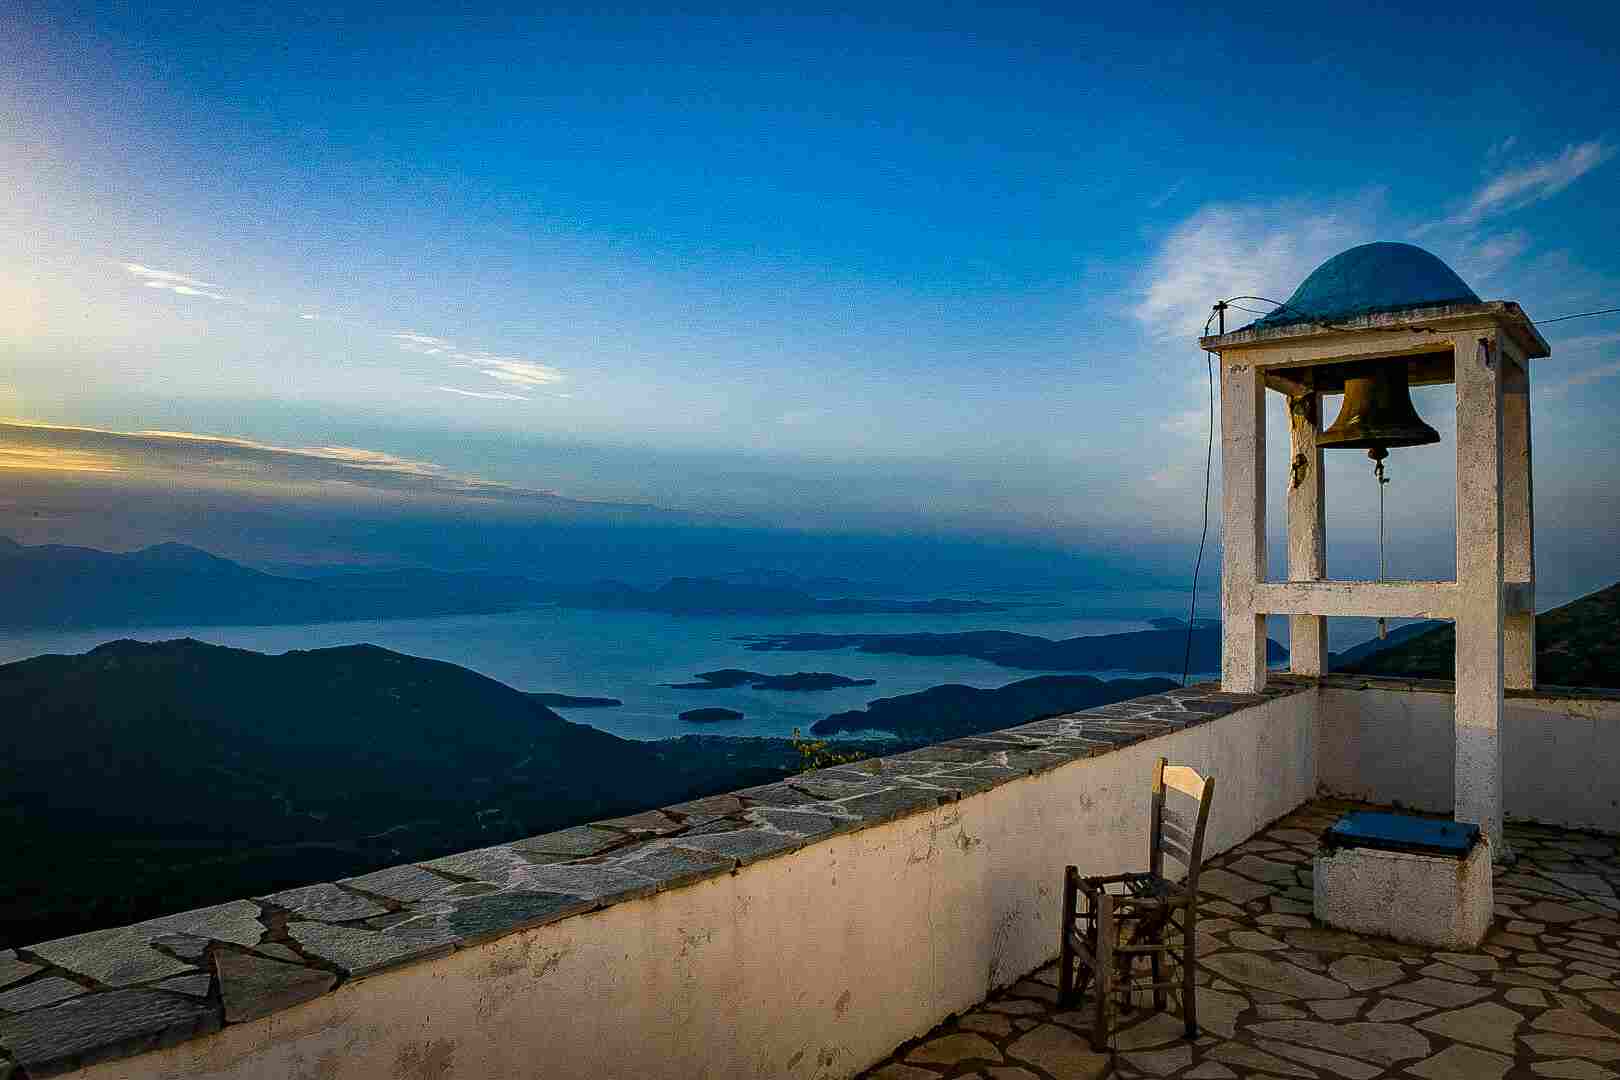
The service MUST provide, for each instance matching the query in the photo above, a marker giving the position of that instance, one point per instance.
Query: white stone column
(1307, 531)
(1243, 527)
(1518, 519)
(1478, 762)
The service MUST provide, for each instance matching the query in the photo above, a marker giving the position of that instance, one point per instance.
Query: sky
(933, 273)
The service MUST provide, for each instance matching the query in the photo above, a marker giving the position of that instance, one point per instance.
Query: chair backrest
(1180, 811)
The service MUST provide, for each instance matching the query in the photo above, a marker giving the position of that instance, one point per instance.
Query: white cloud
(1518, 188)
(170, 281)
(426, 344)
(167, 275)
(352, 456)
(1228, 250)
(1486, 256)
(512, 370)
(488, 395)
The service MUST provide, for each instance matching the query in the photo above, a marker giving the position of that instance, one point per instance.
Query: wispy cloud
(1231, 249)
(512, 370)
(188, 459)
(517, 372)
(81, 471)
(54, 459)
(173, 282)
(487, 395)
(351, 456)
(425, 344)
(1519, 187)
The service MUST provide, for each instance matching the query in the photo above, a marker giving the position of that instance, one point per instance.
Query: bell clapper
(1378, 454)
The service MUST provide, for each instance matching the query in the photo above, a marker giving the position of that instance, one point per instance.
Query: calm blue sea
(628, 655)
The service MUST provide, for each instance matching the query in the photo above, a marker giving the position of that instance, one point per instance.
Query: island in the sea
(1139, 650)
(951, 711)
(573, 701)
(729, 678)
(710, 716)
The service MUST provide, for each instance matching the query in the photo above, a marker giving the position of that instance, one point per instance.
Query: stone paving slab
(102, 1027)
(182, 975)
(13, 969)
(1336, 1005)
(328, 903)
(253, 986)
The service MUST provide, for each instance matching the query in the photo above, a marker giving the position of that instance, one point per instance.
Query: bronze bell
(1377, 412)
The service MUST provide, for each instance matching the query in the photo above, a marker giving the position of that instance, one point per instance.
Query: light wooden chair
(1129, 917)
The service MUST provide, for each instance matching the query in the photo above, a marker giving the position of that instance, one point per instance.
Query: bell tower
(1367, 324)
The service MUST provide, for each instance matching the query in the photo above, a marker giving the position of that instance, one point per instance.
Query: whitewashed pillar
(1307, 530)
(1243, 527)
(1518, 520)
(1478, 768)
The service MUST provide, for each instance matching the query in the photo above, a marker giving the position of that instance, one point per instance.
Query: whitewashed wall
(812, 964)
(1560, 755)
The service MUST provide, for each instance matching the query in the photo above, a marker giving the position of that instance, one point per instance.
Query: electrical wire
(1577, 315)
(1203, 536)
(1280, 306)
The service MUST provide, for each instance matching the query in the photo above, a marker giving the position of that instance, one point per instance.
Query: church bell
(1377, 413)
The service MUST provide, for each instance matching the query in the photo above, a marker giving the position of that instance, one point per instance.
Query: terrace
(810, 927)
(1282, 996)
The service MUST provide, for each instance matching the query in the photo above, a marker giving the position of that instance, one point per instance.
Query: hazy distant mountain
(948, 712)
(714, 596)
(55, 586)
(1577, 644)
(816, 586)
(52, 586)
(141, 778)
(1140, 650)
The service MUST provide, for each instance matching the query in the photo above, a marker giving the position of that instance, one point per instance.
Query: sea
(633, 656)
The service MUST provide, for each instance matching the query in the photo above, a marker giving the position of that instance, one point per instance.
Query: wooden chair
(1128, 917)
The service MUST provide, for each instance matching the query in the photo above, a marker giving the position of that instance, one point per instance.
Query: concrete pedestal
(1439, 900)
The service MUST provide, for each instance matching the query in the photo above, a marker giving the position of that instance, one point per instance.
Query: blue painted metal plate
(1402, 832)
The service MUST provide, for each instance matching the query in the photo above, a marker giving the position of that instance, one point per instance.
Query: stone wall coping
(1341, 681)
(114, 993)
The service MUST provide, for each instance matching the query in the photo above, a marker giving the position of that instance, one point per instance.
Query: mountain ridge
(1577, 644)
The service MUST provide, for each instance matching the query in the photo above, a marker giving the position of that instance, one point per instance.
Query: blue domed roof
(1371, 279)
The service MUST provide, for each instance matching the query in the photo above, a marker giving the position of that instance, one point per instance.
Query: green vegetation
(1577, 644)
(818, 754)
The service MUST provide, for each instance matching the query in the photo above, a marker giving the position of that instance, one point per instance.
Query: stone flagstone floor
(1283, 997)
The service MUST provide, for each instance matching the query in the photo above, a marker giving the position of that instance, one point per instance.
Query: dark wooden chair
(1131, 917)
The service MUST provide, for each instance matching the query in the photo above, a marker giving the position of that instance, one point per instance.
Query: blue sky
(922, 271)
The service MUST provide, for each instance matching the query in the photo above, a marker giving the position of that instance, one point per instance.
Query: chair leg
(1189, 970)
(1158, 990)
(1071, 889)
(1104, 975)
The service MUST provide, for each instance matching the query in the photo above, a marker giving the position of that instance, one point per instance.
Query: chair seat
(1139, 889)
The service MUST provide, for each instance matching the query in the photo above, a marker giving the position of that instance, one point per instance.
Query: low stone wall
(799, 929)
(1392, 741)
